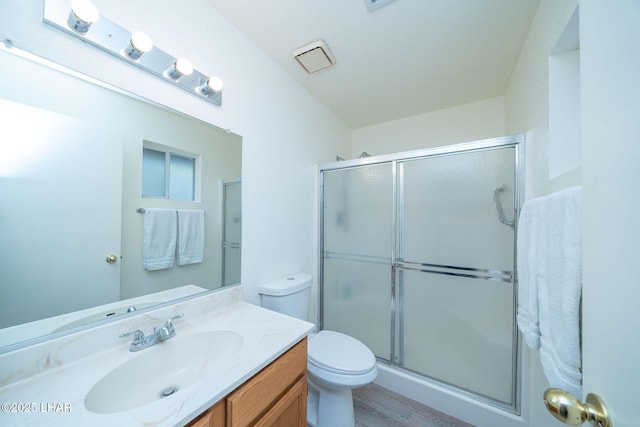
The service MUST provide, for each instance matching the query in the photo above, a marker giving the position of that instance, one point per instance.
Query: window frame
(168, 152)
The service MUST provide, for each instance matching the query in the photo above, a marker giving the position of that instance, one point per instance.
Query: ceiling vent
(375, 4)
(314, 57)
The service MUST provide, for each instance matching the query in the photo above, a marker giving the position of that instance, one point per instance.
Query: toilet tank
(288, 295)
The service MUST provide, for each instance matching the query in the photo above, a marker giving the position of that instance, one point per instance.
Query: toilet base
(327, 407)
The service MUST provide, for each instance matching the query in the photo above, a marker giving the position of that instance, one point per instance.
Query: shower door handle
(497, 199)
(568, 409)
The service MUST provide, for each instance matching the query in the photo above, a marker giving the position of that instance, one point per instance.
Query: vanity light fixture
(81, 19)
(212, 86)
(180, 67)
(139, 44)
(83, 13)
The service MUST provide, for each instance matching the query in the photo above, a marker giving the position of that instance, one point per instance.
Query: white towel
(530, 239)
(190, 236)
(550, 271)
(159, 238)
(560, 292)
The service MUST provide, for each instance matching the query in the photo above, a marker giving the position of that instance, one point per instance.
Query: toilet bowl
(336, 362)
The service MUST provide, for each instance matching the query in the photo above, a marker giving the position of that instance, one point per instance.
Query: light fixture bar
(118, 41)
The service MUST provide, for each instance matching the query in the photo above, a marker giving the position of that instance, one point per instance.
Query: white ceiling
(408, 57)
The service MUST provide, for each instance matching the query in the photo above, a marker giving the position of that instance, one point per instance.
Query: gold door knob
(568, 409)
(111, 259)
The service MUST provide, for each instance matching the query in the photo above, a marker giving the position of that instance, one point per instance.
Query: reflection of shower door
(418, 260)
(231, 231)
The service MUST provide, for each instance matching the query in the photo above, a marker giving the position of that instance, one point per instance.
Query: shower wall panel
(358, 223)
(357, 296)
(449, 210)
(459, 331)
(455, 263)
(357, 214)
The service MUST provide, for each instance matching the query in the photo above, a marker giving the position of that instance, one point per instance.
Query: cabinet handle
(111, 259)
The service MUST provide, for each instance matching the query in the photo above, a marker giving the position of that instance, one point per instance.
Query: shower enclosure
(231, 231)
(417, 260)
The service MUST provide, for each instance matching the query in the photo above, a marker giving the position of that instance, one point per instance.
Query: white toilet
(336, 362)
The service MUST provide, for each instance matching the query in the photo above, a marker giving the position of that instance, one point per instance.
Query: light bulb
(211, 86)
(181, 67)
(83, 13)
(139, 44)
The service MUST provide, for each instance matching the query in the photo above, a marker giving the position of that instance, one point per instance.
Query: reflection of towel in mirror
(190, 236)
(159, 239)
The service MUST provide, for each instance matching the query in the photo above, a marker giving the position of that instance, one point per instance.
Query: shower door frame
(516, 142)
(224, 244)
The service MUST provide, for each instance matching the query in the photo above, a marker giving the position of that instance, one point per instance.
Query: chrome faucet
(140, 341)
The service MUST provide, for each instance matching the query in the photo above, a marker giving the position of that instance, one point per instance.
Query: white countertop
(27, 331)
(46, 384)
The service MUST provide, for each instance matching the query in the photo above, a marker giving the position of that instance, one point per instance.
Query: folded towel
(550, 284)
(560, 290)
(190, 236)
(530, 240)
(159, 238)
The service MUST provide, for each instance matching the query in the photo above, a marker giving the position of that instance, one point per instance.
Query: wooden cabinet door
(212, 417)
(274, 397)
(264, 391)
(290, 410)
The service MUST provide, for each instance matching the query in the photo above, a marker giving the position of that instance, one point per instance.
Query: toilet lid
(340, 353)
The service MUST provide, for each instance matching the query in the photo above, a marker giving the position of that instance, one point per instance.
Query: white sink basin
(163, 369)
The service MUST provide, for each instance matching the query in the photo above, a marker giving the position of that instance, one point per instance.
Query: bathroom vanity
(230, 363)
(276, 396)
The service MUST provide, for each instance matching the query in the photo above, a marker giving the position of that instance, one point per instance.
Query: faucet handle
(168, 330)
(138, 335)
(177, 316)
(169, 323)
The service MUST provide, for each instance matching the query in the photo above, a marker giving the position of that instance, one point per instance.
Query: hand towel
(190, 236)
(159, 238)
(529, 242)
(560, 290)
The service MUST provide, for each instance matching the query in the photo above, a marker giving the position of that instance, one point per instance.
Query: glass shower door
(456, 320)
(231, 231)
(356, 254)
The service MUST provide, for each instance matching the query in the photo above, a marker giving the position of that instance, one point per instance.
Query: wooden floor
(375, 406)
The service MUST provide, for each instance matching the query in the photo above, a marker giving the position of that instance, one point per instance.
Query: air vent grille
(314, 57)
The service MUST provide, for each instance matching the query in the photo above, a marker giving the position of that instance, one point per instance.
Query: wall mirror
(71, 205)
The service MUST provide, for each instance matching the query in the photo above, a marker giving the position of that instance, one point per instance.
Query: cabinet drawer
(256, 396)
